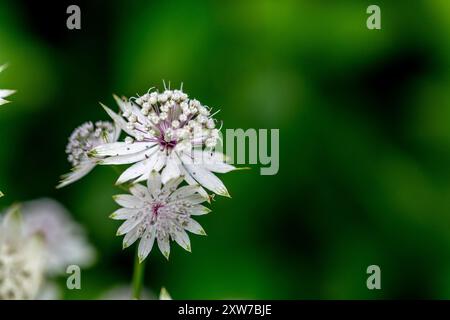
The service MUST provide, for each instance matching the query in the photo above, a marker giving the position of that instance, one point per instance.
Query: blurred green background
(364, 119)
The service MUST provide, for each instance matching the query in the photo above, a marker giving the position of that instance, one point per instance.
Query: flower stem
(138, 277)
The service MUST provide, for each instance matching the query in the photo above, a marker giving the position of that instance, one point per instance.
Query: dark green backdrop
(364, 119)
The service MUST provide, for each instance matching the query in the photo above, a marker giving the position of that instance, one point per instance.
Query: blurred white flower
(21, 259)
(81, 141)
(4, 93)
(161, 213)
(167, 132)
(64, 239)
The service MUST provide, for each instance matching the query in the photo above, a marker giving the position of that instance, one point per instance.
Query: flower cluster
(159, 213)
(82, 140)
(169, 138)
(169, 133)
(38, 240)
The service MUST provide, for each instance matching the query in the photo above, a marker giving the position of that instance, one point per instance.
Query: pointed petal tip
(223, 193)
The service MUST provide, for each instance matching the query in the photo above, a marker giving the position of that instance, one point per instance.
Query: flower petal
(137, 169)
(191, 181)
(198, 210)
(120, 148)
(131, 237)
(77, 173)
(130, 224)
(171, 170)
(207, 179)
(123, 214)
(2, 102)
(5, 93)
(118, 120)
(123, 105)
(146, 243)
(156, 166)
(195, 199)
(184, 192)
(139, 191)
(126, 159)
(212, 161)
(128, 201)
(194, 227)
(154, 183)
(164, 246)
(182, 238)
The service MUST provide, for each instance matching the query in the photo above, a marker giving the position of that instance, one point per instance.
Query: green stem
(138, 277)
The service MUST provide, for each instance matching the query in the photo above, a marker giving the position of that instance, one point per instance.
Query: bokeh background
(364, 119)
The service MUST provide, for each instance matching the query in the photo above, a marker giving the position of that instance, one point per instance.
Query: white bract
(65, 241)
(4, 93)
(21, 259)
(169, 133)
(83, 140)
(160, 213)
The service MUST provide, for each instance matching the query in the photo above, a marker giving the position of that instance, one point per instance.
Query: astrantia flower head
(161, 213)
(21, 259)
(64, 239)
(167, 132)
(4, 93)
(84, 139)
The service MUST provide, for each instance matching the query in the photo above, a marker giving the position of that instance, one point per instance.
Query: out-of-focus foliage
(364, 119)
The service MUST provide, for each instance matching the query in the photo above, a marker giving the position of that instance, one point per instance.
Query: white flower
(4, 92)
(83, 140)
(161, 213)
(21, 259)
(65, 241)
(176, 139)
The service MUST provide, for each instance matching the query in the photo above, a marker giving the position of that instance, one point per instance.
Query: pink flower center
(155, 208)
